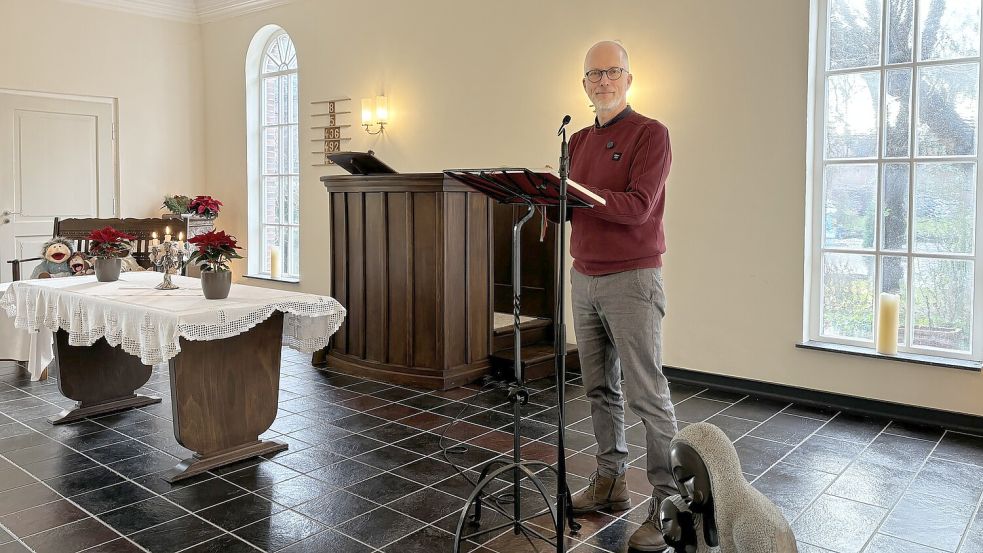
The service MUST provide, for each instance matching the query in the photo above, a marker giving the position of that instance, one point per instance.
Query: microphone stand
(564, 502)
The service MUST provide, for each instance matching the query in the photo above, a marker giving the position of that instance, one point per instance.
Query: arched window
(274, 187)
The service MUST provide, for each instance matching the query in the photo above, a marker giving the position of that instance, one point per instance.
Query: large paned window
(279, 158)
(896, 179)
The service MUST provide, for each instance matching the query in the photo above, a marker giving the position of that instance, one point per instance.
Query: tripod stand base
(477, 500)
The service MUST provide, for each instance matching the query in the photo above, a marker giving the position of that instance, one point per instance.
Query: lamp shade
(381, 109)
(366, 111)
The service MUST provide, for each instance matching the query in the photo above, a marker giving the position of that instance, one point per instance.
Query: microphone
(566, 120)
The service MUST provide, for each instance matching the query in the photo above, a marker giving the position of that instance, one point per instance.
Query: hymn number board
(331, 132)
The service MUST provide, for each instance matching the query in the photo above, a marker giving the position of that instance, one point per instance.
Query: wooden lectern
(412, 262)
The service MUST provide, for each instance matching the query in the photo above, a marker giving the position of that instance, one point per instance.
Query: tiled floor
(364, 472)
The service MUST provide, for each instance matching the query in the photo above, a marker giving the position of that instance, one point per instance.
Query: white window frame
(258, 260)
(816, 164)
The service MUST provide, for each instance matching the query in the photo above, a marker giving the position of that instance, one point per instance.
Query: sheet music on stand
(517, 185)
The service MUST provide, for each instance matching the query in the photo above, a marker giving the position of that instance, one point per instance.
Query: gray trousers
(618, 322)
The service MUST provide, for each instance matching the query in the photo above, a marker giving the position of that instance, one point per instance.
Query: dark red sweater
(626, 162)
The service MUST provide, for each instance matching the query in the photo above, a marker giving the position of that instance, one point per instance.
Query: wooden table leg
(224, 395)
(101, 378)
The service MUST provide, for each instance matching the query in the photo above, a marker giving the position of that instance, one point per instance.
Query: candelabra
(169, 256)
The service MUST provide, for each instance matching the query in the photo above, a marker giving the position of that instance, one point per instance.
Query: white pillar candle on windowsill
(887, 323)
(274, 262)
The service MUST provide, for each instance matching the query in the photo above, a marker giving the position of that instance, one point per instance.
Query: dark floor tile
(428, 504)
(759, 455)
(226, 543)
(753, 408)
(384, 488)
(427, 471)
(309, 459)
(41, 518)
(473, 457)
(825, 454)
(111, 497)
(614, 536)
(680, 391)
(911, 430)
(326, 541)
(927, 520)
(697, 409)
(41, 452)
(490, 419)
(205, 494)
(817, 412)
(838, 524)
(871, 483)
(425, 402)
(142, 465)
(22, 441)
(336, 507)
(388, 458)
(958, 482)
(792, 488)
(71, 538)
(295, 491)
(721, 395)
(897, 451)
(119, 451)
(11, 429)
(391, 433)
(359, 422)
(95, 440)
(176, 535)
(973, 540)
(380, 527)
(83, 481)
(64, 432)
(353, 445)
(853, 428)
(886, 544)
(279, 531)
(124, 418)
(345, 473)
(26, 497)
(789, 429)
(964, 448)
(58, 466)
(157, 484)
(424, 443)
(119, 545)
(261, 475)
(734, 428)
(243, 510)
(142, 515)
(425, 540)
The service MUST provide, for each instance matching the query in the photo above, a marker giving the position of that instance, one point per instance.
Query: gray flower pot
(216, 284)
(107, 268)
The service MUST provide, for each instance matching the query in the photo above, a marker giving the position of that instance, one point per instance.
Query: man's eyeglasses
(614, 73)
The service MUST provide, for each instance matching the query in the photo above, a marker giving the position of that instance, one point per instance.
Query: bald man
(618, 298)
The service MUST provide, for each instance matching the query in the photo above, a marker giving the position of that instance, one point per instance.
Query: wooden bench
(77, 230)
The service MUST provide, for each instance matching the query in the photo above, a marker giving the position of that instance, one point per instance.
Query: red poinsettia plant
(215, 250)
(204, 206)
(109, 242)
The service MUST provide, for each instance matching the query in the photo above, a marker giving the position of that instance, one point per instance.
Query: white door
(57, 159)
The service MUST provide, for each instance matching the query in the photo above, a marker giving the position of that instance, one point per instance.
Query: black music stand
(531, 188)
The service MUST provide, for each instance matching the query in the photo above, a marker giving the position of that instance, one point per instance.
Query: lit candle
(153, 239)
(180, 240)
(887, 323)
(274, 262)
(167, 234)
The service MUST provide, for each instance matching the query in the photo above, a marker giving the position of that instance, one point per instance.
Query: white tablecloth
(149, 323)
(14, 342)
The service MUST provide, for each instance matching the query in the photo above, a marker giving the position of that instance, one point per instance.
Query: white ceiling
(196, 11)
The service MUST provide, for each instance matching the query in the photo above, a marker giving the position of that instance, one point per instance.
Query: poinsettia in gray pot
(108, 246)
(215, 250)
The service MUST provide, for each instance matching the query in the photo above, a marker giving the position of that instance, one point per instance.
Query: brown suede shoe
(648, 537)
(603, 493)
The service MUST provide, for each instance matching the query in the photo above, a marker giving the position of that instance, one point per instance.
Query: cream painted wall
(478, 84)
(151, 66)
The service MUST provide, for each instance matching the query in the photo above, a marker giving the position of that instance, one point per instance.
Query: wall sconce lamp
(378, 116)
